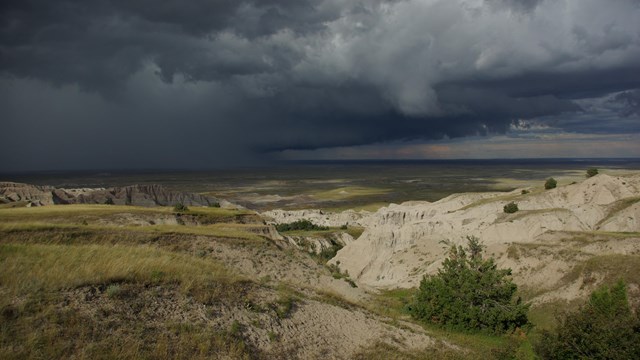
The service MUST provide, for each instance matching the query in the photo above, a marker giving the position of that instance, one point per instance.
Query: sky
(142, 84)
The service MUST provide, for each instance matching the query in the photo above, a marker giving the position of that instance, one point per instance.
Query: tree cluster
(510, 208)
(551, 183)
(604, 328)
(470, 293)
(302, 224)
(592, 172)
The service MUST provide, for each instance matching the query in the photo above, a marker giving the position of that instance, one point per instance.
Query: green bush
(550, 184)
(604, 328)
(470, 293)
(180, 208)
(510, 208)
(302, 224)
(592, 172)
(214, 205)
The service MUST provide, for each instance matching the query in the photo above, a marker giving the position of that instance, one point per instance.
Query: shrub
(114, 291)
(604, 328)
(510, 208)
(524, 191)
(550, 184)
(592, 172)
(469, 293)
(214, 204)
(302, 224)
(180, 208)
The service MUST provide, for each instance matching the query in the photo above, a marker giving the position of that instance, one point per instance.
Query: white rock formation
(403, 242)
(318, 217)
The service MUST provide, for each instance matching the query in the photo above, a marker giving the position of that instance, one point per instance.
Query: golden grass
(84, 211)
(233, 231)
(217, 212)
(223, 230)
(77, 209)
(28, 269)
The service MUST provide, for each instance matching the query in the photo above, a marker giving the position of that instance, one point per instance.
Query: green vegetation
(28, 269)
(92, 301)
(511, 208)
(592, 172)
(470, 293)
(302, 224)
(551, 183)
(337, 274)
(180, 208)
(604, 328)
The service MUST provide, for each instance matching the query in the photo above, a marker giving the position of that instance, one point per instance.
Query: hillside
(110, 281)
(561, 244)
(123, 281)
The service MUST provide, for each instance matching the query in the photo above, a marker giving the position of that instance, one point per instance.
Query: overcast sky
(205, 83)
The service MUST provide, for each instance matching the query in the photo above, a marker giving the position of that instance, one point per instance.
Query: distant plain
(341, 185)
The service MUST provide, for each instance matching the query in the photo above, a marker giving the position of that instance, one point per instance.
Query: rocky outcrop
(138, 195)
(402, 242)
(318, 217)
(32, 194)
(144, 195)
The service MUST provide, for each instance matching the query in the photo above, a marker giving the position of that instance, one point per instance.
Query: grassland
(104, 291)
(100, 292)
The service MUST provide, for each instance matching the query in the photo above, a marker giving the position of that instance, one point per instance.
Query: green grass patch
(355, 231)
(392, 303)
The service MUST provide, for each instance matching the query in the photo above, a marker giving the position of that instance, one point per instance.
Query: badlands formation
(552, 243)
(136, 195)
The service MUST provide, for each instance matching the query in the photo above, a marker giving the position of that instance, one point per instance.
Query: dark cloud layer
(201, 83)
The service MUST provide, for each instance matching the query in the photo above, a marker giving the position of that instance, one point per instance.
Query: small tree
(510, 208)
(604, 328)
(469, 293)
(592, 172)
(550, 184)
(180, 208)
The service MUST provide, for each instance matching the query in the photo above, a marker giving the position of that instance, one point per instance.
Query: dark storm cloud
(629, 101)
(192, 79)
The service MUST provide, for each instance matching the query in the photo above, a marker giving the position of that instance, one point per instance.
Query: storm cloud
(140, 83)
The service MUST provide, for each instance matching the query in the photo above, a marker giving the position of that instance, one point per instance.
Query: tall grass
(223, 230)
(26, 269)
